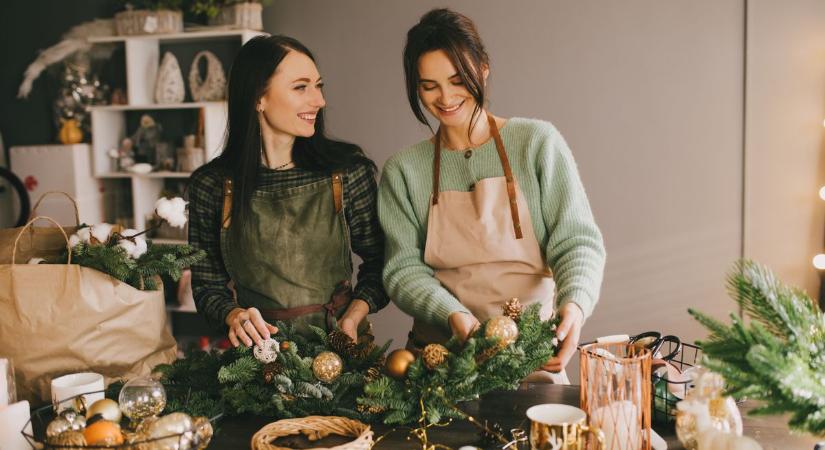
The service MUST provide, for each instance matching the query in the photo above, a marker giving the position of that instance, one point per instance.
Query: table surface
(508, 410)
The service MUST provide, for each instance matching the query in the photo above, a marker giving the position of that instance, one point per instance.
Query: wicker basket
(144, 21)
(246, 15)
(315, 428)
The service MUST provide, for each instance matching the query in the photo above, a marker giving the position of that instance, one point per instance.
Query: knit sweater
(546, 174)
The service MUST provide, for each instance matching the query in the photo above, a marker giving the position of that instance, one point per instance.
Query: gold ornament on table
(203, 432)
(179, 429)
(327, 366)
(434, 355)
(142, 397)
(513, 309)
(706, 413)
(69, 438)
(503, 328)
(398, 362)
(107, 408)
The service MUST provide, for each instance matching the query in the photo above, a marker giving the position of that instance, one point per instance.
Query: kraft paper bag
(37, 242)
(62, 318)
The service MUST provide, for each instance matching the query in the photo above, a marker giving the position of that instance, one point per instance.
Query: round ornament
(177, 426)
(103, 432)
(434, 355)
(58, 426)
(202, 432)
(76, 421)
(398, 362)
(327, 366)
(284, 346)
(107, 408)
(503, 328)
(142, 397)
(267, 352)
(68, 438)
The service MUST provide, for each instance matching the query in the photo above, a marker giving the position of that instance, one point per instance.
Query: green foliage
(141, 273)
(211, 8)
(779, 357)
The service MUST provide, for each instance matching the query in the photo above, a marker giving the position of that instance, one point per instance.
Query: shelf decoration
(169, 86)
(213, 87)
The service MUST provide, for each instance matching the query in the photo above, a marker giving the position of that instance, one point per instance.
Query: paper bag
(37, 242)
(61, 318)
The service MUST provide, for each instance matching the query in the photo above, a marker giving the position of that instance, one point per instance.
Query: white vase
(169, 86)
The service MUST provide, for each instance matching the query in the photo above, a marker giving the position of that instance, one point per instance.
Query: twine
(315, 428)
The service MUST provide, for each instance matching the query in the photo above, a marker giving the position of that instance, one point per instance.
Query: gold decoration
(176, 428)
(107, 408)
(270, 370)
(68, 438)
(315, 428)
(79, 405)
(489, 352)
(203, 433)
(434, 355)
(513, 308)
(398, 362)
(284, 346)
(327, 366)
(57, 426)
(503, 328)
(103, 432)
(372, 409)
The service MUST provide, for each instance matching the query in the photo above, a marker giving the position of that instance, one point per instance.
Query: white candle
(12, 420)
(4, 382)
(65, 388)
(619, 421)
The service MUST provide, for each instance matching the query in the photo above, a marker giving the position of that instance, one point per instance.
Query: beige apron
(484, 251)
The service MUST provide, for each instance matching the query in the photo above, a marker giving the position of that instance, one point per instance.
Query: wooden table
(508, 410)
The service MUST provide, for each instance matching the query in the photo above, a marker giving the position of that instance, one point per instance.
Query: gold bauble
(398, 362)
(203, 433)
(107, 408)
(103, 432)
(434, 355)
(57, 426)
(327, 366)
(503, 328)
(179, 429)
(69, 438)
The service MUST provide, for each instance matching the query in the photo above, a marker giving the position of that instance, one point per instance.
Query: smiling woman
(281, 210)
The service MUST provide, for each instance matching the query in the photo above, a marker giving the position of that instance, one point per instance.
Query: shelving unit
(109, 122)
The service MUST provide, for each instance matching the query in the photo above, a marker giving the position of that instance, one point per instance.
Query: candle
(620, 423)
(12, 420)
(65, 388)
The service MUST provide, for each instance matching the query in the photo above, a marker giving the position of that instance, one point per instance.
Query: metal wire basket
(667, 392)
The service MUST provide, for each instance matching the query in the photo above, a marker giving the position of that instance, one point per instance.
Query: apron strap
(505, 164)
(338, 191)
(341, 297)
(227, 203)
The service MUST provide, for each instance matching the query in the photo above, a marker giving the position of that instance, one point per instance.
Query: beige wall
(649, 95)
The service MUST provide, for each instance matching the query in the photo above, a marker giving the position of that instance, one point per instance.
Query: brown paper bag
(62, 318)
(37, 242)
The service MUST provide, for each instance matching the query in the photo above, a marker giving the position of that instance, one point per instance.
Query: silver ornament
(267, 352)
(58, 426)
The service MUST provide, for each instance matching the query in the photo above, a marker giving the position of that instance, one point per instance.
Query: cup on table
(8, 393)
(67, 387)
(556, 426)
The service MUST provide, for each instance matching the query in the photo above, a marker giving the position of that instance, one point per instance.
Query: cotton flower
(172, 210)
(36, 260)
(134, 249)
(74, 240)
(84, 234)
(101, 232)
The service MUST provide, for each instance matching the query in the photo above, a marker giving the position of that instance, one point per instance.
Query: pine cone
(270, 370)
(434, 355)
(340, 342)
(364, 409)
(488, 353)
(513, 309)
(372, 374)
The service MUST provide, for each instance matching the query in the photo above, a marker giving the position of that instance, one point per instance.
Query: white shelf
(160, 174)
(158, 106)
(186, 36)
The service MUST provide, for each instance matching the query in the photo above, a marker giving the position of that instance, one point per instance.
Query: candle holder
(615, 393)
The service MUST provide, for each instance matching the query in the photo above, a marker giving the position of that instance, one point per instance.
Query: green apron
(295, 255)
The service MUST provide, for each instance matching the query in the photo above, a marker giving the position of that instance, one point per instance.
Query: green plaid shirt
(213, 297)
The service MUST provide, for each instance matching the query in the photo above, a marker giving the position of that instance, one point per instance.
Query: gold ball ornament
(71, 439)
(327, 366)
(398, 362)
(434, 355)
(202, 433)
(58, 426)
(103, 432)
(503, 328)
(107, 408)
(179, 429)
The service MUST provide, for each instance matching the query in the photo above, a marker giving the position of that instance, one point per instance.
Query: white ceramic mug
(67, 387)
(555, 426)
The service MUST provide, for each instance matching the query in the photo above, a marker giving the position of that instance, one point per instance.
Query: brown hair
(455, 34)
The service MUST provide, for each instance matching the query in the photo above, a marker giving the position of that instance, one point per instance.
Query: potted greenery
(244, 14)
(150, 17)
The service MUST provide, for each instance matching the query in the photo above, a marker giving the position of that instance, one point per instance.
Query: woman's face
(293, 96)
(441, 90)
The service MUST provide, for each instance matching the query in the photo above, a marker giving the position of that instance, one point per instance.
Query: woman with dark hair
(487, 209)
(283, 207)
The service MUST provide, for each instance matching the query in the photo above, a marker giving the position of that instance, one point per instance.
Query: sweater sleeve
(409, 281)
(575, 249)
(213, 298)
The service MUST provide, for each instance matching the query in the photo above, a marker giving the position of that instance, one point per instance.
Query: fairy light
(819, 261)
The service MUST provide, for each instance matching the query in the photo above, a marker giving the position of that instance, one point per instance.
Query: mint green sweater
(547, 176)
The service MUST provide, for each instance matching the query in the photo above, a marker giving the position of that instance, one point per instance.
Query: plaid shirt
(213, 297)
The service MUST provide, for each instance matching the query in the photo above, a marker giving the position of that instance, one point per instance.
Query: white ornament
(211, 89)
(267, 352)
(169, 84)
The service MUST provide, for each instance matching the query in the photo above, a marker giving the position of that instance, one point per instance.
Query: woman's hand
(247, 326)
(355, 313)
(568, 332)
(463, 324)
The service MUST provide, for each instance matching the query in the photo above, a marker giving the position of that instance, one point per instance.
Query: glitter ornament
(327, 366)
(503, 328)
(142, 397)
(267, 352)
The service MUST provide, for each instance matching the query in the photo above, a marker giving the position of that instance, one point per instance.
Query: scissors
(653, 341)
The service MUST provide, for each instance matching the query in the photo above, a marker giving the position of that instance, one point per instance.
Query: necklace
(282, 166)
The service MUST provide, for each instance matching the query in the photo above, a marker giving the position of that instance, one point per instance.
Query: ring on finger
(243, 324)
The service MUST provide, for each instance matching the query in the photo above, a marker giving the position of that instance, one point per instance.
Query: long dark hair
(241, 157)
(455, 34)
